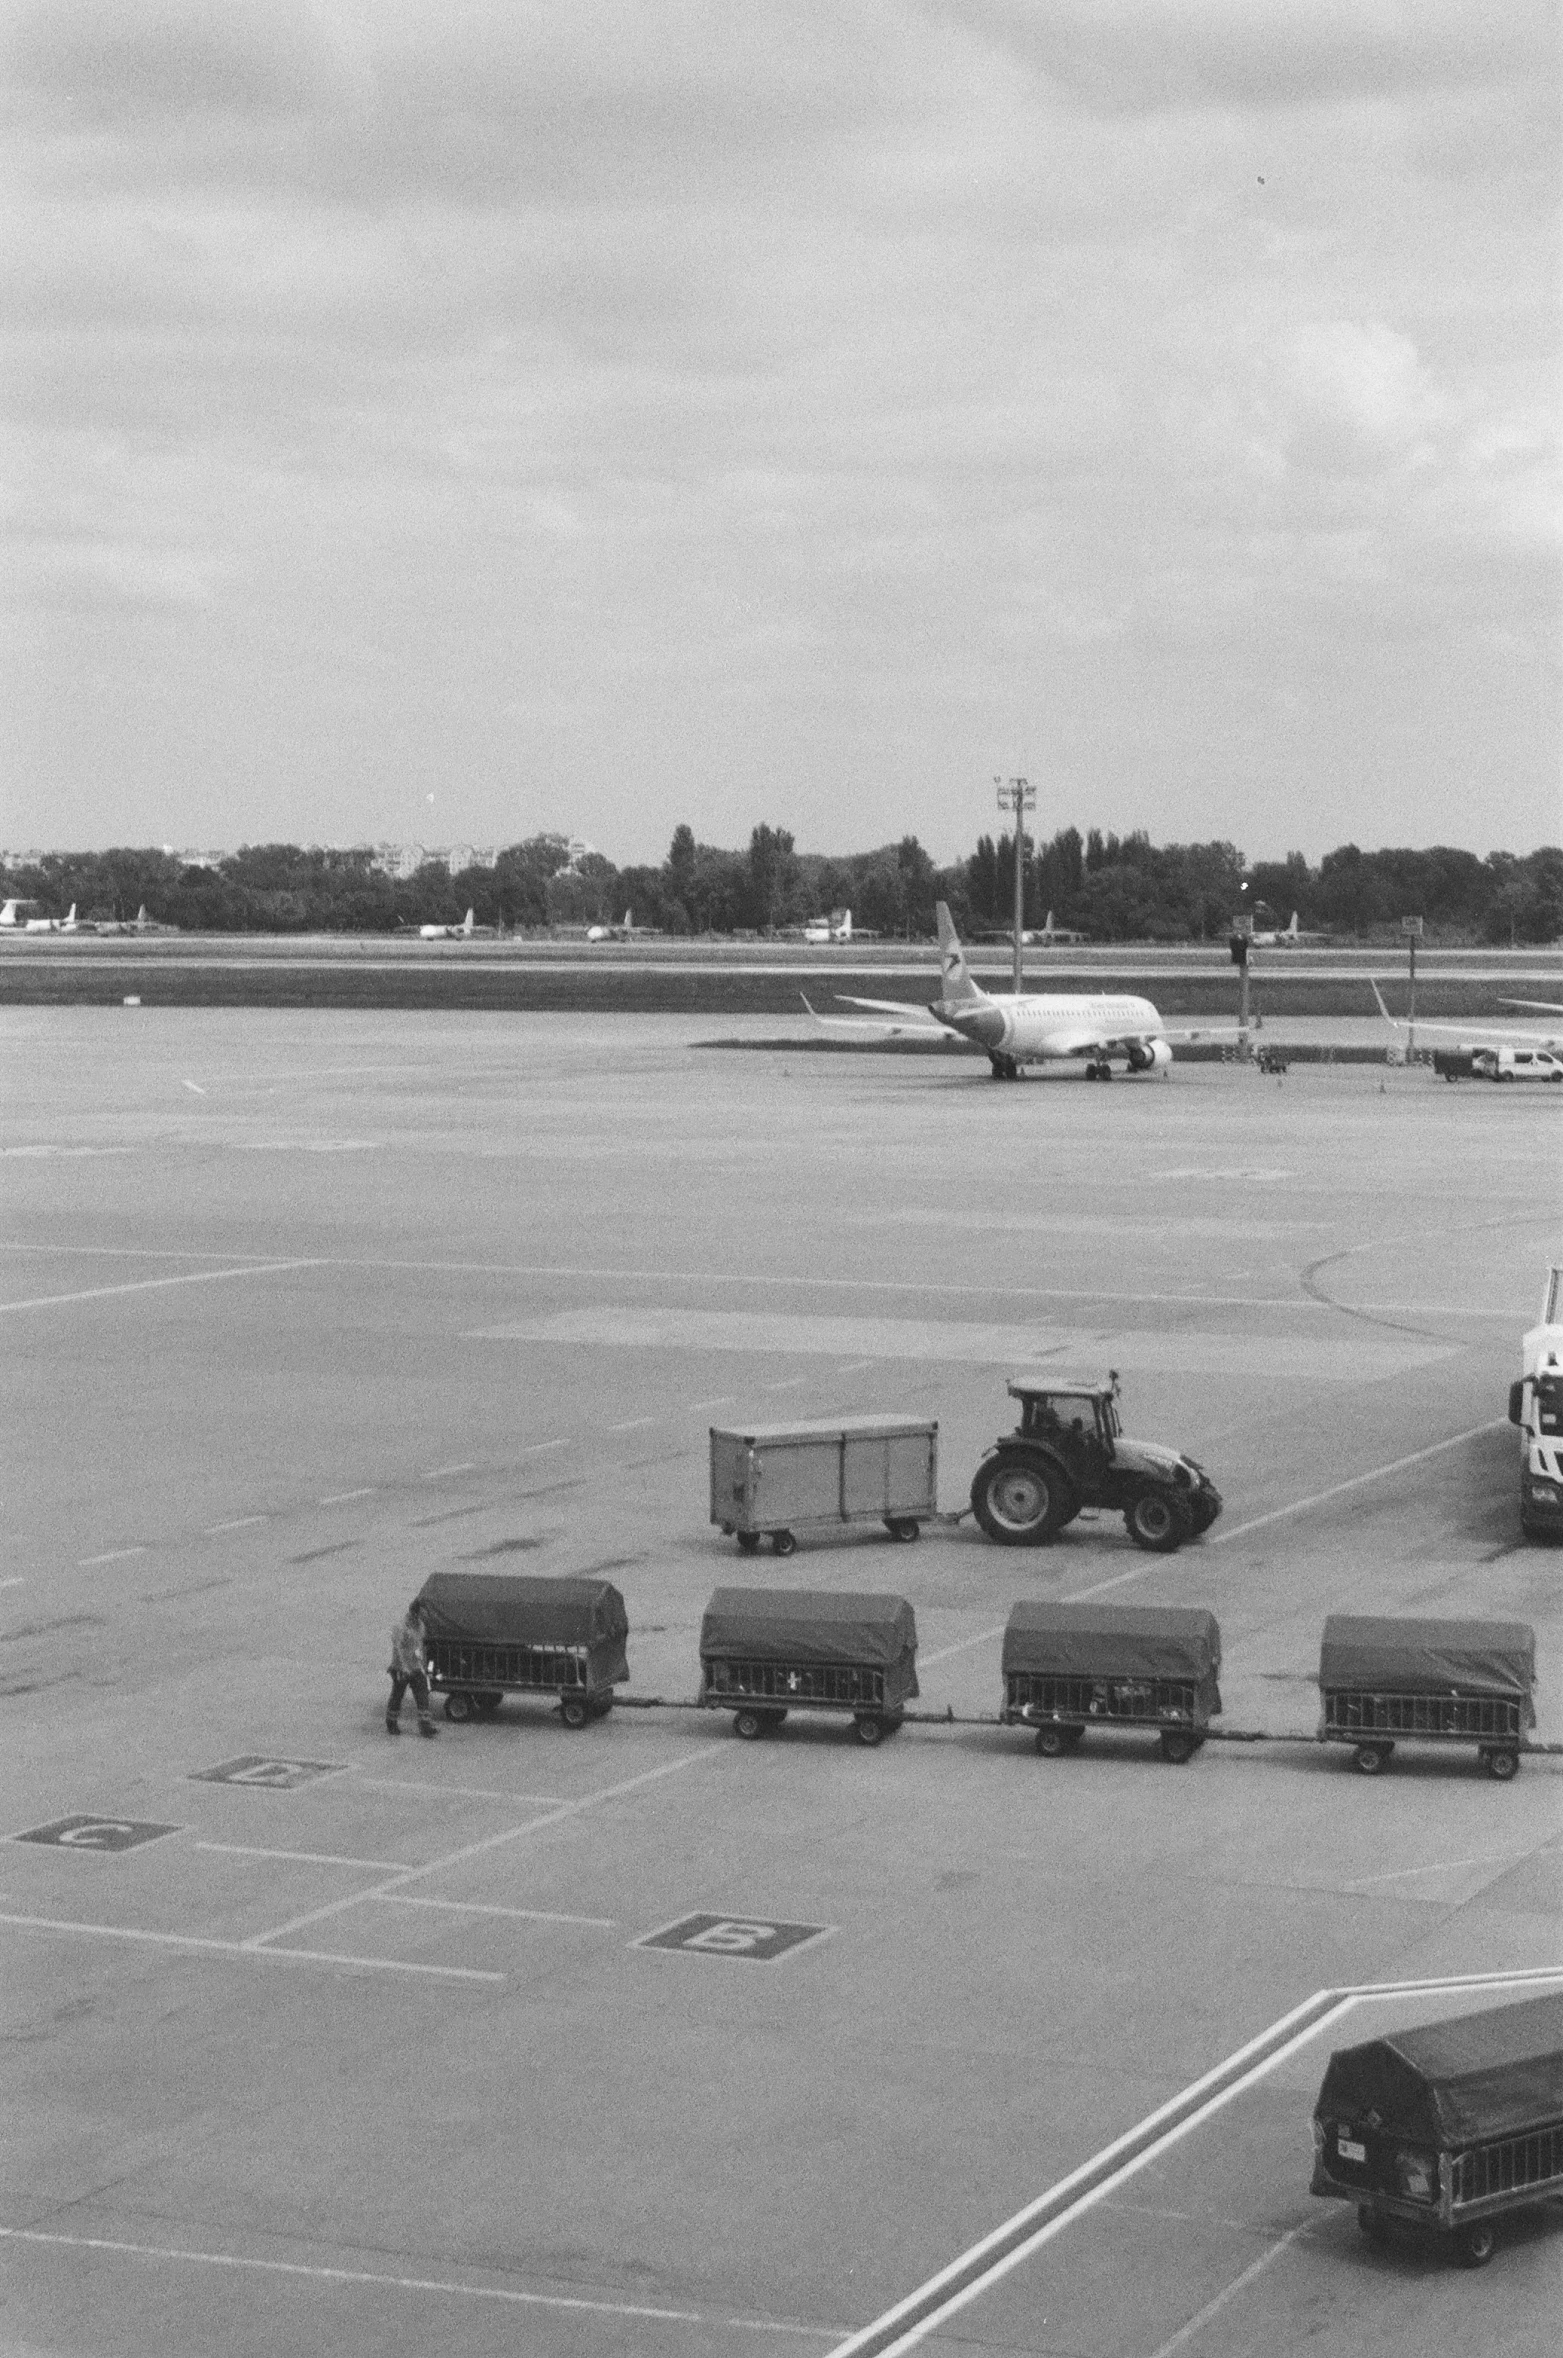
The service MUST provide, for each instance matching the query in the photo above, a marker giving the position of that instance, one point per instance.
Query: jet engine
(1146, 1056)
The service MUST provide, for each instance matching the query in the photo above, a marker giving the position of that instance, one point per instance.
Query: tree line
(1107, 887)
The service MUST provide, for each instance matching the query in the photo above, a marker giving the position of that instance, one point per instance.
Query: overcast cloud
(601, 416)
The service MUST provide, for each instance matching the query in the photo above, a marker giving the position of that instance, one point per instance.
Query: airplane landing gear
(1099, 1072)
(1004, 1068)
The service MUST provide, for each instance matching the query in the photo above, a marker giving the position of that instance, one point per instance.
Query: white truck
(1536, 1406)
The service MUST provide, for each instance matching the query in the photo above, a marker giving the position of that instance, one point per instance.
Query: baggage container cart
(1435, 1682)
(769, 1481)
(767, 1651)
(1067, 1668)
(492, 1634)
(1447, 2127)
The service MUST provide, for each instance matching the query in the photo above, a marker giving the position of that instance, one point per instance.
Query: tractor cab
(1070, 1413)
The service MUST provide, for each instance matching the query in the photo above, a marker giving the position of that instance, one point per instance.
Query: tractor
(1069, 1451)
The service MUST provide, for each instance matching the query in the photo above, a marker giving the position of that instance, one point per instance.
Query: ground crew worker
(407, 1670)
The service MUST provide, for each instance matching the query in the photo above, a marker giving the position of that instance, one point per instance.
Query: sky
(445, 420)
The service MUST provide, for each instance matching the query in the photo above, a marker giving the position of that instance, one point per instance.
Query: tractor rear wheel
(1021, 1500)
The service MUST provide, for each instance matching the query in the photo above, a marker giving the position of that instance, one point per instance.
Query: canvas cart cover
(814, 1625)
(1115, 1641)
(518, 1609)
(1412, 1656)
(1496, 2074)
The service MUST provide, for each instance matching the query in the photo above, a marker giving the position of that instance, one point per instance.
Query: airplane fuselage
(1043, 1024)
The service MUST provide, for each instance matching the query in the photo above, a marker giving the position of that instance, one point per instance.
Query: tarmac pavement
(364, 2044)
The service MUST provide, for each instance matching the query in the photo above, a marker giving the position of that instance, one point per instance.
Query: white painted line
(147, 1285)
(439, 1473)
(414, 1899)
(420, 2284)
(472, 1850)
(341, 1497)
(244, 1948)
(964, 2279)
(308, 1858)
(18, 1581)
(115, 1555)
(1487, 1858)
(239, 1523)
(944, 1652)
(720, 1401)
(856, 1366)
(1396, 1465)
(460, 1792)
(1186, 2333)
(632, 1424)
(194, 1088)
(535, 1448)
(1118, 1580)
(788, 1384)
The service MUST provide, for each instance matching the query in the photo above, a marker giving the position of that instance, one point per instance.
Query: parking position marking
(259, 1768)
(85, 1832)
(238, 1523)
(422, 2284)
(306, 1858)
(749, 1937)
(244, 1948)
(147, 1285)
(441, 1473)
(341, 1497)
(418, 1899)
(114, 1555)
(1185, 2333)
(943, 1653)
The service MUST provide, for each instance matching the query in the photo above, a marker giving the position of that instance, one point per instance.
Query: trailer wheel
(902, 1527)
(1020, 1500)
(1053, 1743)
(1369, 1759)
(869, 1731)
(783, 1542)
(1474, 2244)
(1372, 2223)
(1502, 1764)
(573, 1710)
(489, 1701)
(748, 1541)
(773, 1720)
(1177, 1746)
(458, 1707)
(749, 1724)
(1158, 1522)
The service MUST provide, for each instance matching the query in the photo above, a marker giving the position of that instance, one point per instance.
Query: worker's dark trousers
(401, 1680)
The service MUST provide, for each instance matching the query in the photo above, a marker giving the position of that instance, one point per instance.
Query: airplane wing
(1505, 1036)
(918, 1022)
(1541, 1006)
(917, 1010)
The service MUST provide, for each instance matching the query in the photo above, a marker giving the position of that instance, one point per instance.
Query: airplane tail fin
(956, 983)
(844, 929)
(1292, 928)
(467, 922)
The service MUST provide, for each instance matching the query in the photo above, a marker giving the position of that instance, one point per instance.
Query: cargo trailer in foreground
(1447, 2127)
(767, 1651)
(1385, 1681)
(1067, 1668)
(493, 1634)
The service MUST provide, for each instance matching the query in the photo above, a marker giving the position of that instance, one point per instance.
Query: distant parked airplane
(837, 927)
(1288, 938)
(1033, 1028)
(16, 918)
(625, 932)
(17, 915)
(449, 933)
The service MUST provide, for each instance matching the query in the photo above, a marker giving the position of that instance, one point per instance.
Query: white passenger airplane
(13, 917)
(1287, 938)
(1034, 1028)
(616, 933)
(449, 933)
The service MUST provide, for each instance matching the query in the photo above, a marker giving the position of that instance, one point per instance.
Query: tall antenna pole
(1017, 796)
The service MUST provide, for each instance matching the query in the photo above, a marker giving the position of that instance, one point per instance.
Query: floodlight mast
(1017, 796)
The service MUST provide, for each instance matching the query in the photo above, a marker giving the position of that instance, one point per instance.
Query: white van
(1517, 1064)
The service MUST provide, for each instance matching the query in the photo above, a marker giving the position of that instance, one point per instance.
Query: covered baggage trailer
(1446, 2127)
(492, 1634)
(769, 1481)
(1070, 1667)
(1437, 1682)
(767, 1651)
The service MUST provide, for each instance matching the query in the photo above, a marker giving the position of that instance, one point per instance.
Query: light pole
(1015, 795)
(1411, 927)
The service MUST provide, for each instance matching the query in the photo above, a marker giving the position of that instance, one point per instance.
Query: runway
(340, 2043)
